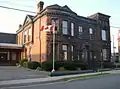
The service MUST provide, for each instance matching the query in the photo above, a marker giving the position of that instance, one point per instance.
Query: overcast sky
(10, 19)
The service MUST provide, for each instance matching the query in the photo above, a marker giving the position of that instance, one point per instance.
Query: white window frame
(103, 35)
(65, 27)
(72, 29)
(72, 50)
(65, 54)
(90, 31)
(104, 54)
(29, 33)
(24, 36)
(78, 56)
(80, 29)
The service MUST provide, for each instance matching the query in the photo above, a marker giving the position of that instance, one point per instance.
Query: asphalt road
(14, 73)
(105, 82)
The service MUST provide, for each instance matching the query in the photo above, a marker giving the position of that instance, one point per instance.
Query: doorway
(3, 58)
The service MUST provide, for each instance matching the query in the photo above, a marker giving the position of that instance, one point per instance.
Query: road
(15, 73)
(104, 82)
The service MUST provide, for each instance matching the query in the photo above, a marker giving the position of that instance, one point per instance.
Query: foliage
(108, 65)
(33, 65)
(67, 65)
(22, 61)
(25, 64)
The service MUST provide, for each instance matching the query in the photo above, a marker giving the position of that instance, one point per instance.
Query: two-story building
(77, 37)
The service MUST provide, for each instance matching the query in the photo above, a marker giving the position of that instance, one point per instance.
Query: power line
(34, 12)
(16, 9)
(114, 27)
(6, 2)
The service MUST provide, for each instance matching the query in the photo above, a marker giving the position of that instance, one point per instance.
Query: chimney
(20, 26)
(40, 6)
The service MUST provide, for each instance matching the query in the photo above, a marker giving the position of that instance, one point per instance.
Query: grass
(84, 77)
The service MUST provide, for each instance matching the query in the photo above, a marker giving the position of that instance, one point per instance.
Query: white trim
(11, 46)
(8, 56)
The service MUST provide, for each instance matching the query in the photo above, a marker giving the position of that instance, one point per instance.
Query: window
(72, 29)
(90, 31)
(104, 35)
(65, 55)
(80, 29)
(29, 34)
(56, 22)
(78, 57)
(104, 54)
(72, 48)
(25, 35)
(64, 27)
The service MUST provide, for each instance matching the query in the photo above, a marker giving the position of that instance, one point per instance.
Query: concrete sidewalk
(48, 79)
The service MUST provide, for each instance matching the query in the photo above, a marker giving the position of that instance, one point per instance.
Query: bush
(108, 65)
(82, 66)
(48, 66)
(33, 65)
(61, 69)
(22, 61)
(70, 65)
(67, 65)
(25, 64)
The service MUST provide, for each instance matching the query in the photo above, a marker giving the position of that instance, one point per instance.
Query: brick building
(77, 37)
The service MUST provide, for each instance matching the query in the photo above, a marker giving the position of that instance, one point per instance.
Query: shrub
(25, 64)
(61, 69)
(67, 65)
(82, 66)
(108, 65)
(70, 65)
(33, 65)
(22, 61)
(48, 66)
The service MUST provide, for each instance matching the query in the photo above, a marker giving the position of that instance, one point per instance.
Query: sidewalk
(48, 79)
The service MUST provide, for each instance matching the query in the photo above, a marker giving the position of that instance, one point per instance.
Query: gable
(27, 20)
(67, 8)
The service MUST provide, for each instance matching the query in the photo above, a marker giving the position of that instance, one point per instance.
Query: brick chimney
(40, 6)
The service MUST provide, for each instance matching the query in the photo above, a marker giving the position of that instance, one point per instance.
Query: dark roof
(7, 38)
(67, 8)
(56, 6)
(98, 13)
(31, 16)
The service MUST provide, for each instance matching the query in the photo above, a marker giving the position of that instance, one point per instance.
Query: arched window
(90, 31)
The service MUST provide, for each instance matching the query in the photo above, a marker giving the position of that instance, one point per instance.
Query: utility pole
(113, 50)
(53, 47)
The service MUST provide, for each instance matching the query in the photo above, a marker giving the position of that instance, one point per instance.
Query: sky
(10, 19)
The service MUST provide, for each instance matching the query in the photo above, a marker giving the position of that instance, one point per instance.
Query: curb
(37, 81)
(24, 84)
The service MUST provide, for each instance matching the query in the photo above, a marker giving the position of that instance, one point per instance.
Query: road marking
(25, 86)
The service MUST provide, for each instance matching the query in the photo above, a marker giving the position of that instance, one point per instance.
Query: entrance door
(3, 58)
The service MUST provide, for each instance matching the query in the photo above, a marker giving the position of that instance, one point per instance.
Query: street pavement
(36, 82)
(15, 73)
(102, 82)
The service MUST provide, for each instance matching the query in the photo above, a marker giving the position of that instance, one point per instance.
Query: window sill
(27, 42)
